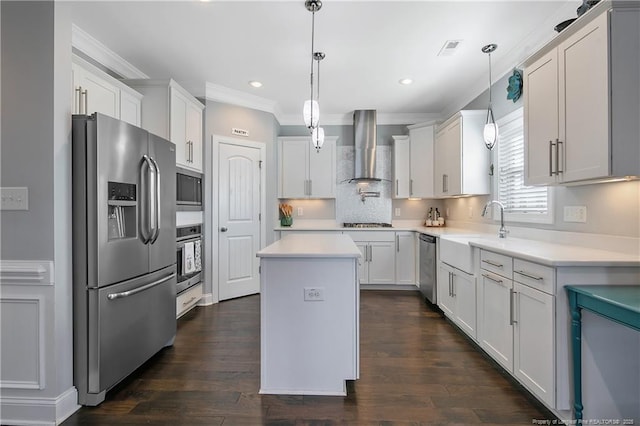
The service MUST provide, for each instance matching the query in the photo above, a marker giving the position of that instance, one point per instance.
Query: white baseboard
(206, 300)
(38, 411)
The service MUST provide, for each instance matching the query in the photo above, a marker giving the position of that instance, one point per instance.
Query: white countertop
(560, 253)
(305, 245)
(552, 254)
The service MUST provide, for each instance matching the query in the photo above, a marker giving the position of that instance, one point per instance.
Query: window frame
(547, 218)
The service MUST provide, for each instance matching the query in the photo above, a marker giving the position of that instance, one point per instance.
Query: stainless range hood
(365, 138)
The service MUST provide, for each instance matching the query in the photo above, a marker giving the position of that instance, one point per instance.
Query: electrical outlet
(14, 198)
(575, 214)
(300, 211)
(313, 294)
(397, 212)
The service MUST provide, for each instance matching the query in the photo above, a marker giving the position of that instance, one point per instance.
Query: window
(522, 203)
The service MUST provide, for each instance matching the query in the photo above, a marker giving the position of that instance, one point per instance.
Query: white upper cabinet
(304, 172)
(461, 158)
(413, 163)
(580, 111)
(96, 91)
(173, 113)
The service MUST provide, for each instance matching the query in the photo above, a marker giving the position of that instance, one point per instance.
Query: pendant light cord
(313, 18)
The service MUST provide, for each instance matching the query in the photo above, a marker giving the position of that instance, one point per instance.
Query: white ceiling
(369, 46)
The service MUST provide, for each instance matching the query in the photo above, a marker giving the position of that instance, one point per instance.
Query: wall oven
(188, 190)
(188, 256)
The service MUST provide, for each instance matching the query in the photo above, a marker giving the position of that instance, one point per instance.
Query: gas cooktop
(366, 225)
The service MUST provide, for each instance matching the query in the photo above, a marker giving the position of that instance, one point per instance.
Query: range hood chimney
(365, 138)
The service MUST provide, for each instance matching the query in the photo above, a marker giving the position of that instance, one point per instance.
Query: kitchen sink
(456, 251)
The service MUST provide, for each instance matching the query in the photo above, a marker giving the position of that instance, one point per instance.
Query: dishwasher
(428, 268)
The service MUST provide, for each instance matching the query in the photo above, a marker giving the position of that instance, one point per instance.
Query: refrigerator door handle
(146, 231)
(156, 227)
(113, 296)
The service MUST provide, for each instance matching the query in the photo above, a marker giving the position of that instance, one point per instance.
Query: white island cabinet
(309, 315)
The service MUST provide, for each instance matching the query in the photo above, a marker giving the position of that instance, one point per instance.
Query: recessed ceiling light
(405, 81)
(255, 83)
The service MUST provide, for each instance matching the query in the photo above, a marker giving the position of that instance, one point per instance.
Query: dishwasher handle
(427, 239)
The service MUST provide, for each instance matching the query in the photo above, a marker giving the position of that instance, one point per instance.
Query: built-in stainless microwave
(188, 190)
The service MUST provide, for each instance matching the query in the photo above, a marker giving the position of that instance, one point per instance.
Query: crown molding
(93, 48)
(218, 93)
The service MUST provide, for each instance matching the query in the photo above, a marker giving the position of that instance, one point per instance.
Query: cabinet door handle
(370, 254)
(497, 265)
(526, 274)
(411, 187)
(310, 187)
(79, 100)
(558, 143)
(86, 101)
(397, 244)
(512, 320)
(397, 187)
(551, 158)
(489, 277)
(453, 285)
(188, 302)
(186, 147)
(445, 183)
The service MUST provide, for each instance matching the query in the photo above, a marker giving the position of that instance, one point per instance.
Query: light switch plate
(575, 214)
(16, 198)
(300, 211)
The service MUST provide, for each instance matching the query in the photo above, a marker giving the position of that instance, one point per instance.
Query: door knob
(223, 229)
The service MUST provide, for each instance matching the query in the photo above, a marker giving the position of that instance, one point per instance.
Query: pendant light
(317, 133)
(311, 109)
(490, 133)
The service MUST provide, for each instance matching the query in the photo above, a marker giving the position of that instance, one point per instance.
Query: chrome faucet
(502, 233)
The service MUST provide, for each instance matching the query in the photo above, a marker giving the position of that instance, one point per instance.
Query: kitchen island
(309, 315)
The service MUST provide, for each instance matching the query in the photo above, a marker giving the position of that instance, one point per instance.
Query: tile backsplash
(349, 205)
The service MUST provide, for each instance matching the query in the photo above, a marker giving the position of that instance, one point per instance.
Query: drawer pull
(188, 302)
(533, 277)
(497, 265)
(489, 277)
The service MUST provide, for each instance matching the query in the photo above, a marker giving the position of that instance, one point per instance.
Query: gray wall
(612, 208)
(219, 119)
(27, 127)
(36, 153)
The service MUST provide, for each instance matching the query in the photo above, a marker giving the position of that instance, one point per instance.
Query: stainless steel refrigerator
(124, 263)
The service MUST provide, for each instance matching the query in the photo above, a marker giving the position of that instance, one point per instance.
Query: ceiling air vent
(449, 48)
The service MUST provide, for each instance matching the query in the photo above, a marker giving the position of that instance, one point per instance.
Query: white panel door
(495, 332)
(464, 292)
(405, 258)
(363, 262)
(178, 127)
(446, 302)
(583, 61)
(101, 96)
(130, 108)
(322, 170)
(541, 119)
(533, 330)
(294, 160)
(382, 262)
(239, 220)
(401, 161)
(194, 135)
(421, 162)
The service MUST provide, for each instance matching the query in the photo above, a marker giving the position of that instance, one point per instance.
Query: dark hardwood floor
(416, 369)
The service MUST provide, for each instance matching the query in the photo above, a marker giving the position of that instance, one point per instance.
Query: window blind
(512, 192)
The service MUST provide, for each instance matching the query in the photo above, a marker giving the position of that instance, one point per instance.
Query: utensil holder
(286, 221)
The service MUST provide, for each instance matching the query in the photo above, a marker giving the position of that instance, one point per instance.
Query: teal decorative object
(514, 90)
(286, 221)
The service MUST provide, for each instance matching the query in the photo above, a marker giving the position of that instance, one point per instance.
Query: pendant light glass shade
(311, 113)
(490, 133)
(317, 137)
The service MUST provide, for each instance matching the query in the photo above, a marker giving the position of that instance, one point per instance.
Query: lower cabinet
(533, 338)
(188, 299)
(516, 320)
(457, 297)
(406, 258)
(377, 264)
(495, 326)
